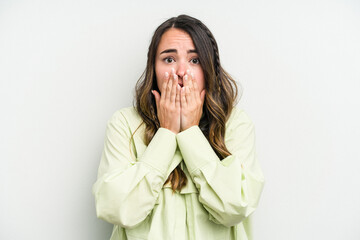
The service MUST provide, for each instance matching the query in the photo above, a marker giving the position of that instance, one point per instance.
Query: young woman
(181, 164)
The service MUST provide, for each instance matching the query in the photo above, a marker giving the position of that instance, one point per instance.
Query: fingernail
(186, 77)
(166, 74)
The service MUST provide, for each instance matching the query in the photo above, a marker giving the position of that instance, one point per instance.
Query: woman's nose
(181, 69)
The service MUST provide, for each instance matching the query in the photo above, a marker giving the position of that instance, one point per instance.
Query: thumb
(202, 95)
(157, 97)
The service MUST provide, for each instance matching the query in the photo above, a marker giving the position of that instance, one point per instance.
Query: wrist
(176, 131)
(188, 126)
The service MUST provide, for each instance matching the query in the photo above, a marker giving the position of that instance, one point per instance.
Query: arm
(229, 189)
(126, 190)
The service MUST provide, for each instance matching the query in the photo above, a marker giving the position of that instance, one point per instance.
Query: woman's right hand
(168, 103)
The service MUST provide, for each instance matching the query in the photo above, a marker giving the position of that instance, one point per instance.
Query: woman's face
(176, 50)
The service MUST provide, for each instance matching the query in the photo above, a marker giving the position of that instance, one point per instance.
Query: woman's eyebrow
(175, 51)
(169, 50)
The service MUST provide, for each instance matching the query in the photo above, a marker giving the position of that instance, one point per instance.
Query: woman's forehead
(175, 38)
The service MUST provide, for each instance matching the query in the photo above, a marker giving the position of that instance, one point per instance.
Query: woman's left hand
(191, 101)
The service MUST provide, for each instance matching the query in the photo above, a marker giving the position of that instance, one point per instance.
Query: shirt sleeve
(229, 189)
(126, 189)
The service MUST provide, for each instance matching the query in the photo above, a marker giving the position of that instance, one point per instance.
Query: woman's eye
(195, 61)
(169, 60)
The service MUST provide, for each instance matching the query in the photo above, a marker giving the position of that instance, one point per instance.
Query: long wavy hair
(221, 90)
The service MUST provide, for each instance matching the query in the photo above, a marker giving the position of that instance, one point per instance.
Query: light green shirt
(214, 205)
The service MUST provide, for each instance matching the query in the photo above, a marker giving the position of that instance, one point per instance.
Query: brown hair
(220, 97)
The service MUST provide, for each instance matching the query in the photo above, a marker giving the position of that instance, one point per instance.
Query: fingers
(183, 97)
(164, 87)
(173, 94)
(177, 98)
(193, 92)
(188, 88)
(191, 89)
(174, 87)
(170, 91)
(178, 90)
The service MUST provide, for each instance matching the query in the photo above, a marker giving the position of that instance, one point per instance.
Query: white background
(66, 66)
